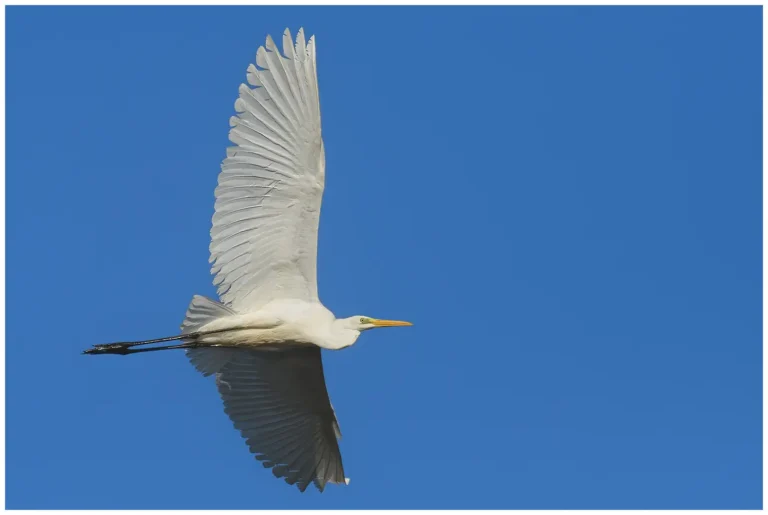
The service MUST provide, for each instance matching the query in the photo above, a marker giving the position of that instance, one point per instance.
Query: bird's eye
(362, 320)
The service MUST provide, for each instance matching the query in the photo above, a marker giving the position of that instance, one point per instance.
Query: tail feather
(201, 310)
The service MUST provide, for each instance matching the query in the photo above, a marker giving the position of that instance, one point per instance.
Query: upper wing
(264, 234)
(278, 401)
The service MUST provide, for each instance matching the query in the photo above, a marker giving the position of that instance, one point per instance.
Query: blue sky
(566, 202)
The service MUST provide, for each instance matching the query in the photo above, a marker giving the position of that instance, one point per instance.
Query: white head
(348, 329)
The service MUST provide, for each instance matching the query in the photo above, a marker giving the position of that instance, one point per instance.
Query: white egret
(263, 340)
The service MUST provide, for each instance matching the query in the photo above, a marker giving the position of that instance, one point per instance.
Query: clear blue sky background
(566, 201)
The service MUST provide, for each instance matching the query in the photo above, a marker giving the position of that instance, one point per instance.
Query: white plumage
(263, 340)
(264, 235)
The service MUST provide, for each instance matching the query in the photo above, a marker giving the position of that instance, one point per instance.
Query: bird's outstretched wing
(278, 401)
(264, 234)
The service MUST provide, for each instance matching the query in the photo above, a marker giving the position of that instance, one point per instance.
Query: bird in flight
(262, 341)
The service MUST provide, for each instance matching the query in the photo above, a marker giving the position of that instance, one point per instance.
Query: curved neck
(341, 335)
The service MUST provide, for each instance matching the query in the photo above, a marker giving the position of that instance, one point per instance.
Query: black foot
(110, 348)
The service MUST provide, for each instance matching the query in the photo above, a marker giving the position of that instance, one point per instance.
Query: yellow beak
(389, 323)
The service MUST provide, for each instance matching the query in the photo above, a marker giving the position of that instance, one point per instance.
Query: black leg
(116, 348)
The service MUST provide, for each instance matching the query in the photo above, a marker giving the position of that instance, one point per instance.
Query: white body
(279, 322)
